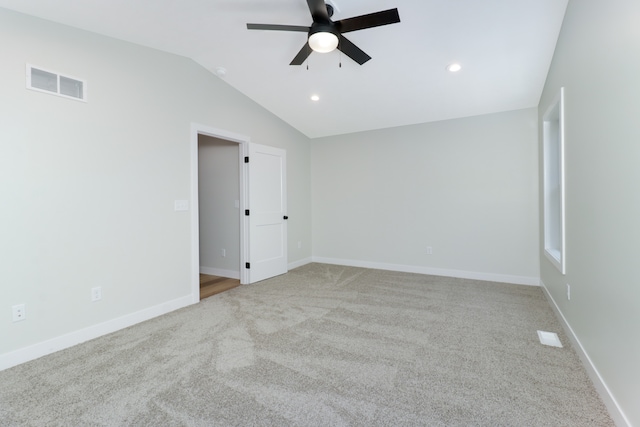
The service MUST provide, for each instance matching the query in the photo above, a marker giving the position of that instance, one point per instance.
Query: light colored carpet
(320, 346)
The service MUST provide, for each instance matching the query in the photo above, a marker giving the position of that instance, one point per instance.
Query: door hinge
(246, 159)
(246, 212)
(247, 265)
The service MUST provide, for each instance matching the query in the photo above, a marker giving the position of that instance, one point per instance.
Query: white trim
(231, 274)
(62, 342)
(557, 256)
(198, 129)
(299, 263)
(616, 412)
(462, 274)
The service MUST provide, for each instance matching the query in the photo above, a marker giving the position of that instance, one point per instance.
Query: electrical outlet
(19, 312)
(568, 292)
(429, 250)
(223, 252)
(181, 205)
(299, 245)
(96, 293)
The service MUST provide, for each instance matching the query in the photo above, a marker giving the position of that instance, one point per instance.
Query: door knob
(285, 217)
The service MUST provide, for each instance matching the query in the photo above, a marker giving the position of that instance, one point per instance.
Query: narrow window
(553, 167)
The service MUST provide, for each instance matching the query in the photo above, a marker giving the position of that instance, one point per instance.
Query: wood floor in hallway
(211, 285)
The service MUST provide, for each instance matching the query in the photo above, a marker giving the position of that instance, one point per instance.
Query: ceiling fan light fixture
(323, 42)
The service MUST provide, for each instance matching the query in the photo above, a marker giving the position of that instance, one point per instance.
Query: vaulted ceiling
(505, 48)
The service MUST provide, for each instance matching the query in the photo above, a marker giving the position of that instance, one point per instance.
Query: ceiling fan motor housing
(319, 27)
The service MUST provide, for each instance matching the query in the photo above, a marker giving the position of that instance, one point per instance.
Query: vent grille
(51, 82)
(549, 338)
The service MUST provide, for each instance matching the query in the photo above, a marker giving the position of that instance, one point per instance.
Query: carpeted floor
(320, 346)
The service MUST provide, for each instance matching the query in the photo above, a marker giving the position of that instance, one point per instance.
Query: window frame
(553, 128)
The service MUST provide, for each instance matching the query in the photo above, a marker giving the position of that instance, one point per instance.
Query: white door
(267, 212)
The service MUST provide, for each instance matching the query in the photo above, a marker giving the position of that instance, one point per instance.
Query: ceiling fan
(325, 35)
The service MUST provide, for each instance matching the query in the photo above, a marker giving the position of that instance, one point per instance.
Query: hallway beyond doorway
(211, 285)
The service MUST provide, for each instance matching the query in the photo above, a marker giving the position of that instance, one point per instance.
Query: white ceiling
(505, 48)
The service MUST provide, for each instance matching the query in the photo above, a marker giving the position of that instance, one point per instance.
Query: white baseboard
(62, 342)
(491, 277)
(220, 272)
(610, 402)
(299, 263)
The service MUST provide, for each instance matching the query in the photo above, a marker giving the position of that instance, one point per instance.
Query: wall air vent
(51, 82)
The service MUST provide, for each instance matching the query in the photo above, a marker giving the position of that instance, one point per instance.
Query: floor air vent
(549, 338)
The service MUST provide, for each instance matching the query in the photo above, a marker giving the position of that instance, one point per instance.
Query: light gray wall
(597, 62)
(219, 191)
(88, 189)
(468, 188)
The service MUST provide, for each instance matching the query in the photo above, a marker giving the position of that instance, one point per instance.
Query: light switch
(181, 205)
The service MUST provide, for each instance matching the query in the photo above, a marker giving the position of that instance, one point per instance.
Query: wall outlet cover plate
(181, 205)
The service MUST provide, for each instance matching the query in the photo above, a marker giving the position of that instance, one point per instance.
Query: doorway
(263, 229)
(241, 141)
(219, 214)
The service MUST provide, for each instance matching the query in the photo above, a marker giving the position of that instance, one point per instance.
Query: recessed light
(315, 98)
(454, 68)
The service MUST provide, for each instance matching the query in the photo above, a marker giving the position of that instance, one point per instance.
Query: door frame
(243, 149)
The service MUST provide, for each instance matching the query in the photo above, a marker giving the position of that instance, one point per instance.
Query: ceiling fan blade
(352, 51)
(278, 27)
(302, 55)
(318, 10)
(361, 22)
